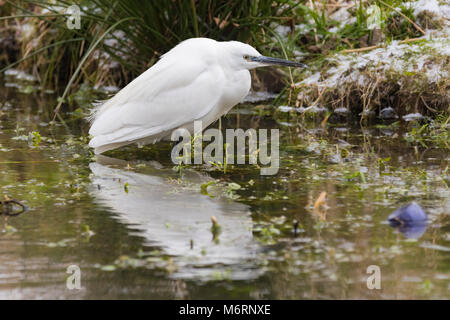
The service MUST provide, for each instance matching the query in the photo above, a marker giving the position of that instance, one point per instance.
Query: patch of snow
(312, 109)
(52, 9)
(282, 31)
(397, 57)
(107, 89)
(341, 110)
(334, 30)
(412, 117)
(20, 75)
(299, 54)
(258, 96)
(286, 108)
(303, 27)
(367, 113)
(441, 46)
(426, 5)
(11, 72)
(313, 79)
(27, 30)
(435, 73)
(341, 15)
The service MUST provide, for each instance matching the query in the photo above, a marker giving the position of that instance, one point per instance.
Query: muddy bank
(382, 77)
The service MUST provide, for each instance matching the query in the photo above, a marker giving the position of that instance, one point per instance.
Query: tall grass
(120, 39)
(156, 27)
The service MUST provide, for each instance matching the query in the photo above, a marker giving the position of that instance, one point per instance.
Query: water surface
(140, 228)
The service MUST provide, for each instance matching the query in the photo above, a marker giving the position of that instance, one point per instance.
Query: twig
(34, 16)
(380, 45)
(426, 105)
(361, 49)
(315, 102)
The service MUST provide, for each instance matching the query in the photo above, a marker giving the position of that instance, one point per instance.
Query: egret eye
(247, 57)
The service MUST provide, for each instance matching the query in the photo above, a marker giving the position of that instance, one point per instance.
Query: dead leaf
(320, 206)
(321, 200)
(222, 23)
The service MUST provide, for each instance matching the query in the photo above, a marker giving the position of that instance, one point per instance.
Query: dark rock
(410, 213)
(388, 113)
(410, 220)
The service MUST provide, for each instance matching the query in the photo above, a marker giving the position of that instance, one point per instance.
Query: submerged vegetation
(308, 232)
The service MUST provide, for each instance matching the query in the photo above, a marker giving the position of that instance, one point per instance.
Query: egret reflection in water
(172, 216)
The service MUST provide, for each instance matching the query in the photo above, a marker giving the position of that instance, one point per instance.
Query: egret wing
(166, 96)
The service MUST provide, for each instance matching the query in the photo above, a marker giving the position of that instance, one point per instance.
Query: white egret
(199, 79)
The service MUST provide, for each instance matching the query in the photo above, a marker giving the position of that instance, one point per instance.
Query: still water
(138, 227)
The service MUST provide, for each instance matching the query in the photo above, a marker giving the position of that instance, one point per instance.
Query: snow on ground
(432, 6)
(427, 57)
(20, 75)
(344, 17)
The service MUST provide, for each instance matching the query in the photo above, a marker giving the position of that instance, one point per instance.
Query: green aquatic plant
(231, 189)
(434, 132)
(204, 188)
(267, 234)
(36, 138)
(216, 229)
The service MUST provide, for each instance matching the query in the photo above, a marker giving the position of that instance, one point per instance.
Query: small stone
(410, 213)
(388, 113)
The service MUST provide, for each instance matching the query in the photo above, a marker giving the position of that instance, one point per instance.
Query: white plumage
(199, 79)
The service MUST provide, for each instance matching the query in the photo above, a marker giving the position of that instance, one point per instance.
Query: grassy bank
(364, 56)
(399, 67)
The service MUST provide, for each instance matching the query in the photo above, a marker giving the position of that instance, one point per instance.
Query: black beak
(277, 62)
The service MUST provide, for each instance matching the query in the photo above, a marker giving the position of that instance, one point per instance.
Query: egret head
(244, 56)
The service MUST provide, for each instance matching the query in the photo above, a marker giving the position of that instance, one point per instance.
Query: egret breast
(235, 90)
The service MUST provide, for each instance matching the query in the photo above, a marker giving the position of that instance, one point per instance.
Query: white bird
(199, 79)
